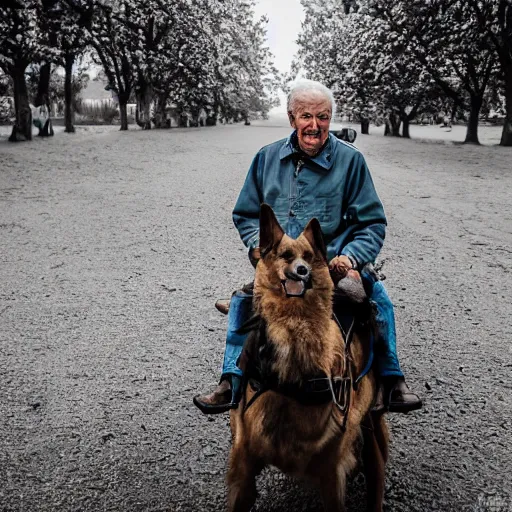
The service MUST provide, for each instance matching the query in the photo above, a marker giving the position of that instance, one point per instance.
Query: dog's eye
(308, 256)
(287, 255)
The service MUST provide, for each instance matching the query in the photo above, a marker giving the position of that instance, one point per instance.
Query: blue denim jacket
(335, 187)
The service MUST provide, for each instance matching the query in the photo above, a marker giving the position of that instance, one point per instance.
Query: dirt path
(113, 248)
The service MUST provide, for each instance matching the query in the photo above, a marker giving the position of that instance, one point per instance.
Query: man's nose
(314, 123)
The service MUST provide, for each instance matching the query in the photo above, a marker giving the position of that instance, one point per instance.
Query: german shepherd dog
(290, 415)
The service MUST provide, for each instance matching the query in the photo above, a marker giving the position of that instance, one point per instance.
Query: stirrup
(219, 408)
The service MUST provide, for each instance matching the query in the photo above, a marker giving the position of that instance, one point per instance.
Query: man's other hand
(339, 266)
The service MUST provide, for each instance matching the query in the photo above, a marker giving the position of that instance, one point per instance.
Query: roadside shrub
(97, 112)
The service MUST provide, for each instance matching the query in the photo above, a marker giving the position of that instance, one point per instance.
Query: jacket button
(292, 213)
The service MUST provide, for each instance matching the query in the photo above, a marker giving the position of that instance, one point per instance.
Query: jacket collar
(324, 159)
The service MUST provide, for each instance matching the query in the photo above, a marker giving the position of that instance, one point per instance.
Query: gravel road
(113, 249)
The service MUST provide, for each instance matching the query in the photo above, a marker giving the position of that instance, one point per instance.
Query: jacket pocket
(327, 208)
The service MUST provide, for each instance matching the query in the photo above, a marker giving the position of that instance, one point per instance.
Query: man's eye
(323, 118)
(306, 116)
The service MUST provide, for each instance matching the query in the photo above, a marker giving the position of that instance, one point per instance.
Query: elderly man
(313, 174)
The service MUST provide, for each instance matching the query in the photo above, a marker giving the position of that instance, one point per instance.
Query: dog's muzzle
(298, 279)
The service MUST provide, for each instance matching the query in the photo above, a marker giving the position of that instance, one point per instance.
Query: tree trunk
(454, 113)
(365, 127)
(143, 109)
(506, 134)
(395, 122)
(160, 114)
(43, 99)
(474, 111)
(124, 115)
(68, 94)
(182, 120)
(387, 128)
(406, 118)
(405, 128)
(213, 115)
(22, 129)
(194, 121)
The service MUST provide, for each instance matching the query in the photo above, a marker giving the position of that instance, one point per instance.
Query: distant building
(97, 94)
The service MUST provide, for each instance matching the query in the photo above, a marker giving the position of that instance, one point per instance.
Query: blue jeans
(385, 358)
(240, 309)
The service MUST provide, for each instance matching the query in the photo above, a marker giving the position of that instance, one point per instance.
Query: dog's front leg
(333, 492)
(375, 454)
(241, 480)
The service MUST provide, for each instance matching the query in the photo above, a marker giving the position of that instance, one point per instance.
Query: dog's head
(288, 268)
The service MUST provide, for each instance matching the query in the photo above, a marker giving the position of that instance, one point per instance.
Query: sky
(283, 28)
(285, 17)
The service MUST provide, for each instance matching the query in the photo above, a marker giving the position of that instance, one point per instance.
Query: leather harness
(317, 389)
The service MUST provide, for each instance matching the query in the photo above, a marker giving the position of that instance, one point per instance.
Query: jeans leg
(240, 309)
(385, 348)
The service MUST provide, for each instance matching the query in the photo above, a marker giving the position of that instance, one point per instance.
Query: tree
(149, 22)
(206, 56)
(48, 28)
(394, 58)
(495, 20)
(250, 80)
(444, 39)
(19, 46)
(72, 20)
(344, 52)
(383, 62)
(213, 60)
(106, 24)
(325, 51)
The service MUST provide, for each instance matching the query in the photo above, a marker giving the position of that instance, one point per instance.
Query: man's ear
(315, 237)
(291, 118)
(271, 232)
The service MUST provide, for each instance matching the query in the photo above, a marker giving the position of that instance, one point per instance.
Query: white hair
(304, 86)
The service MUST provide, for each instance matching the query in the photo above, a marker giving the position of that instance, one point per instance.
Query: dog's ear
(271, 232)
(315, 237)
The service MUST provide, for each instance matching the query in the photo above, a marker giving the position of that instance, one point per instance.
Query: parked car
(346, 134)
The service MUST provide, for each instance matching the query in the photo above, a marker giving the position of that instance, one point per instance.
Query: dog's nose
(302, 270)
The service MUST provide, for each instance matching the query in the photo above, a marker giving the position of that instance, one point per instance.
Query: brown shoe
(222, 305)
(395, 396)
(401, 398)
(221, 399)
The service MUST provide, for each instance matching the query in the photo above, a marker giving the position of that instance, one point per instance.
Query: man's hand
(339, 266)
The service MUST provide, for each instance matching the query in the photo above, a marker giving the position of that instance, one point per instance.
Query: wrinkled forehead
(312, 102)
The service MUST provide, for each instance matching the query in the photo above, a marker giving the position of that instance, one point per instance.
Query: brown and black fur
(305, 441)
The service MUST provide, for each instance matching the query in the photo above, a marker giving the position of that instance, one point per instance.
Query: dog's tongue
(294, 287)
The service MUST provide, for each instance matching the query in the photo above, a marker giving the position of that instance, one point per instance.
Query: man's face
(311, 118)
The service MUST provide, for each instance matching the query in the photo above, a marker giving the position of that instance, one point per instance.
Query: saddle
(352, 310)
